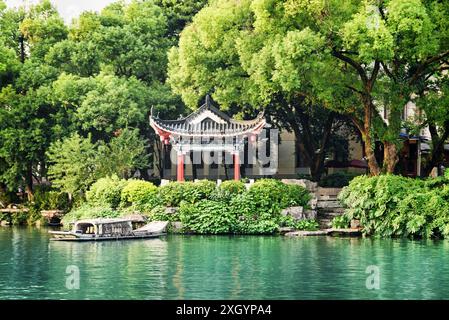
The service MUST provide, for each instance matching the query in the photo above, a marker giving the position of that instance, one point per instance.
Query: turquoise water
(221, 267)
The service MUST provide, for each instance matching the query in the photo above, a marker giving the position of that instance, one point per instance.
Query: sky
(68, 9)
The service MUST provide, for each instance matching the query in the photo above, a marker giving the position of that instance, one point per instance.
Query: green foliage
(305, 224)
(273, 195)
(233, 187)
(123, 155)
(159, 213)
(174, 193)
(308, 225)
(393, 206)
(73, 162)
(50, 200)
(207, 217)
(139, 193)
(341, 222)
(87, 211)
(106, 192)
(337, 180)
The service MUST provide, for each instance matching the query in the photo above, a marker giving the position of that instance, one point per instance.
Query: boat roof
(103, 221)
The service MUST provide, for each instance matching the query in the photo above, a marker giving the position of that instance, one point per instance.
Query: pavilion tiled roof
(208, 121)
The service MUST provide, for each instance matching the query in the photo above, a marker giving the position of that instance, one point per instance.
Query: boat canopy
(103, 226)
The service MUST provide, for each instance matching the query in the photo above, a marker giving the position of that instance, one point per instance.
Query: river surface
(221, 267)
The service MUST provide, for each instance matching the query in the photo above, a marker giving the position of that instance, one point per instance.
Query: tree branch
(426, 64)
(387, 71)
(353, 63)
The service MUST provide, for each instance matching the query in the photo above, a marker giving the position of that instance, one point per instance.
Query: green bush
(159, 213)
(232, 187)
(308, 224)
(88, 212)
(174, 193)
(337, 179)
(295, 195)
(207, 217)
(106, 192)
(140, 194)
(274, 195)
(46, 199)
(341, 222)
(394, 206)
(253, 215)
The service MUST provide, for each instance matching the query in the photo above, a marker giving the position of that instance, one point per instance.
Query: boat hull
(112, 238)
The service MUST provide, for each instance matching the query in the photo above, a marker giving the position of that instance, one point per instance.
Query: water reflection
(221, 267)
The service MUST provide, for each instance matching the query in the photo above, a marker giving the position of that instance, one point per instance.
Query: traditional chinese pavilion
(194, 132)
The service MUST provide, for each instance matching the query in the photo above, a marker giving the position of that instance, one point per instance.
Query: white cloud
(68, 9)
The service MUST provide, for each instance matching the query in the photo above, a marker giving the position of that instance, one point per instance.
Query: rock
(313, 203)
(295, 212)
(171, 210)
(306, 233)
(309, 185)
(355, 224)
(310, 214)
(285, 230)
(177, 226)
(298, 213)
(4, 223)
(344, 232)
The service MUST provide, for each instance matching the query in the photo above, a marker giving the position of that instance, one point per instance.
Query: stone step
(329, 204)
(325, 223)
(327, 191)
(331, 211)
(329, 216)
(326, 197)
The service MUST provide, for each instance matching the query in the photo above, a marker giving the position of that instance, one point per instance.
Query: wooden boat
(109, 229)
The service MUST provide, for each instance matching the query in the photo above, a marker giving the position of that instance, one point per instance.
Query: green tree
(73, 163)
(357, 58)
(125, 154)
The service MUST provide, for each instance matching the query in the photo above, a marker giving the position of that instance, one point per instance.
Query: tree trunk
(317, 165)
(390, 157)
(373, 165)
(29, 184)
(437, 154)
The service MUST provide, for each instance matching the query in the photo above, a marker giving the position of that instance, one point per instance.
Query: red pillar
(236, 166)
(180, 167)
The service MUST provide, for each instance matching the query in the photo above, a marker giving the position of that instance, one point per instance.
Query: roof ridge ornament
(208, 102)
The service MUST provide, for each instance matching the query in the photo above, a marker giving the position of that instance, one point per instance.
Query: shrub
(139, 193)
(88, 212)
(394, 206)
(337, 179)
(106, 192)
(295, 195)
(207, 217)
(159, 213)
(308, 224)
(274, 195)
(174, 193)
(50, 200)
(341, 222)
(232, 187)
(254, 216)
